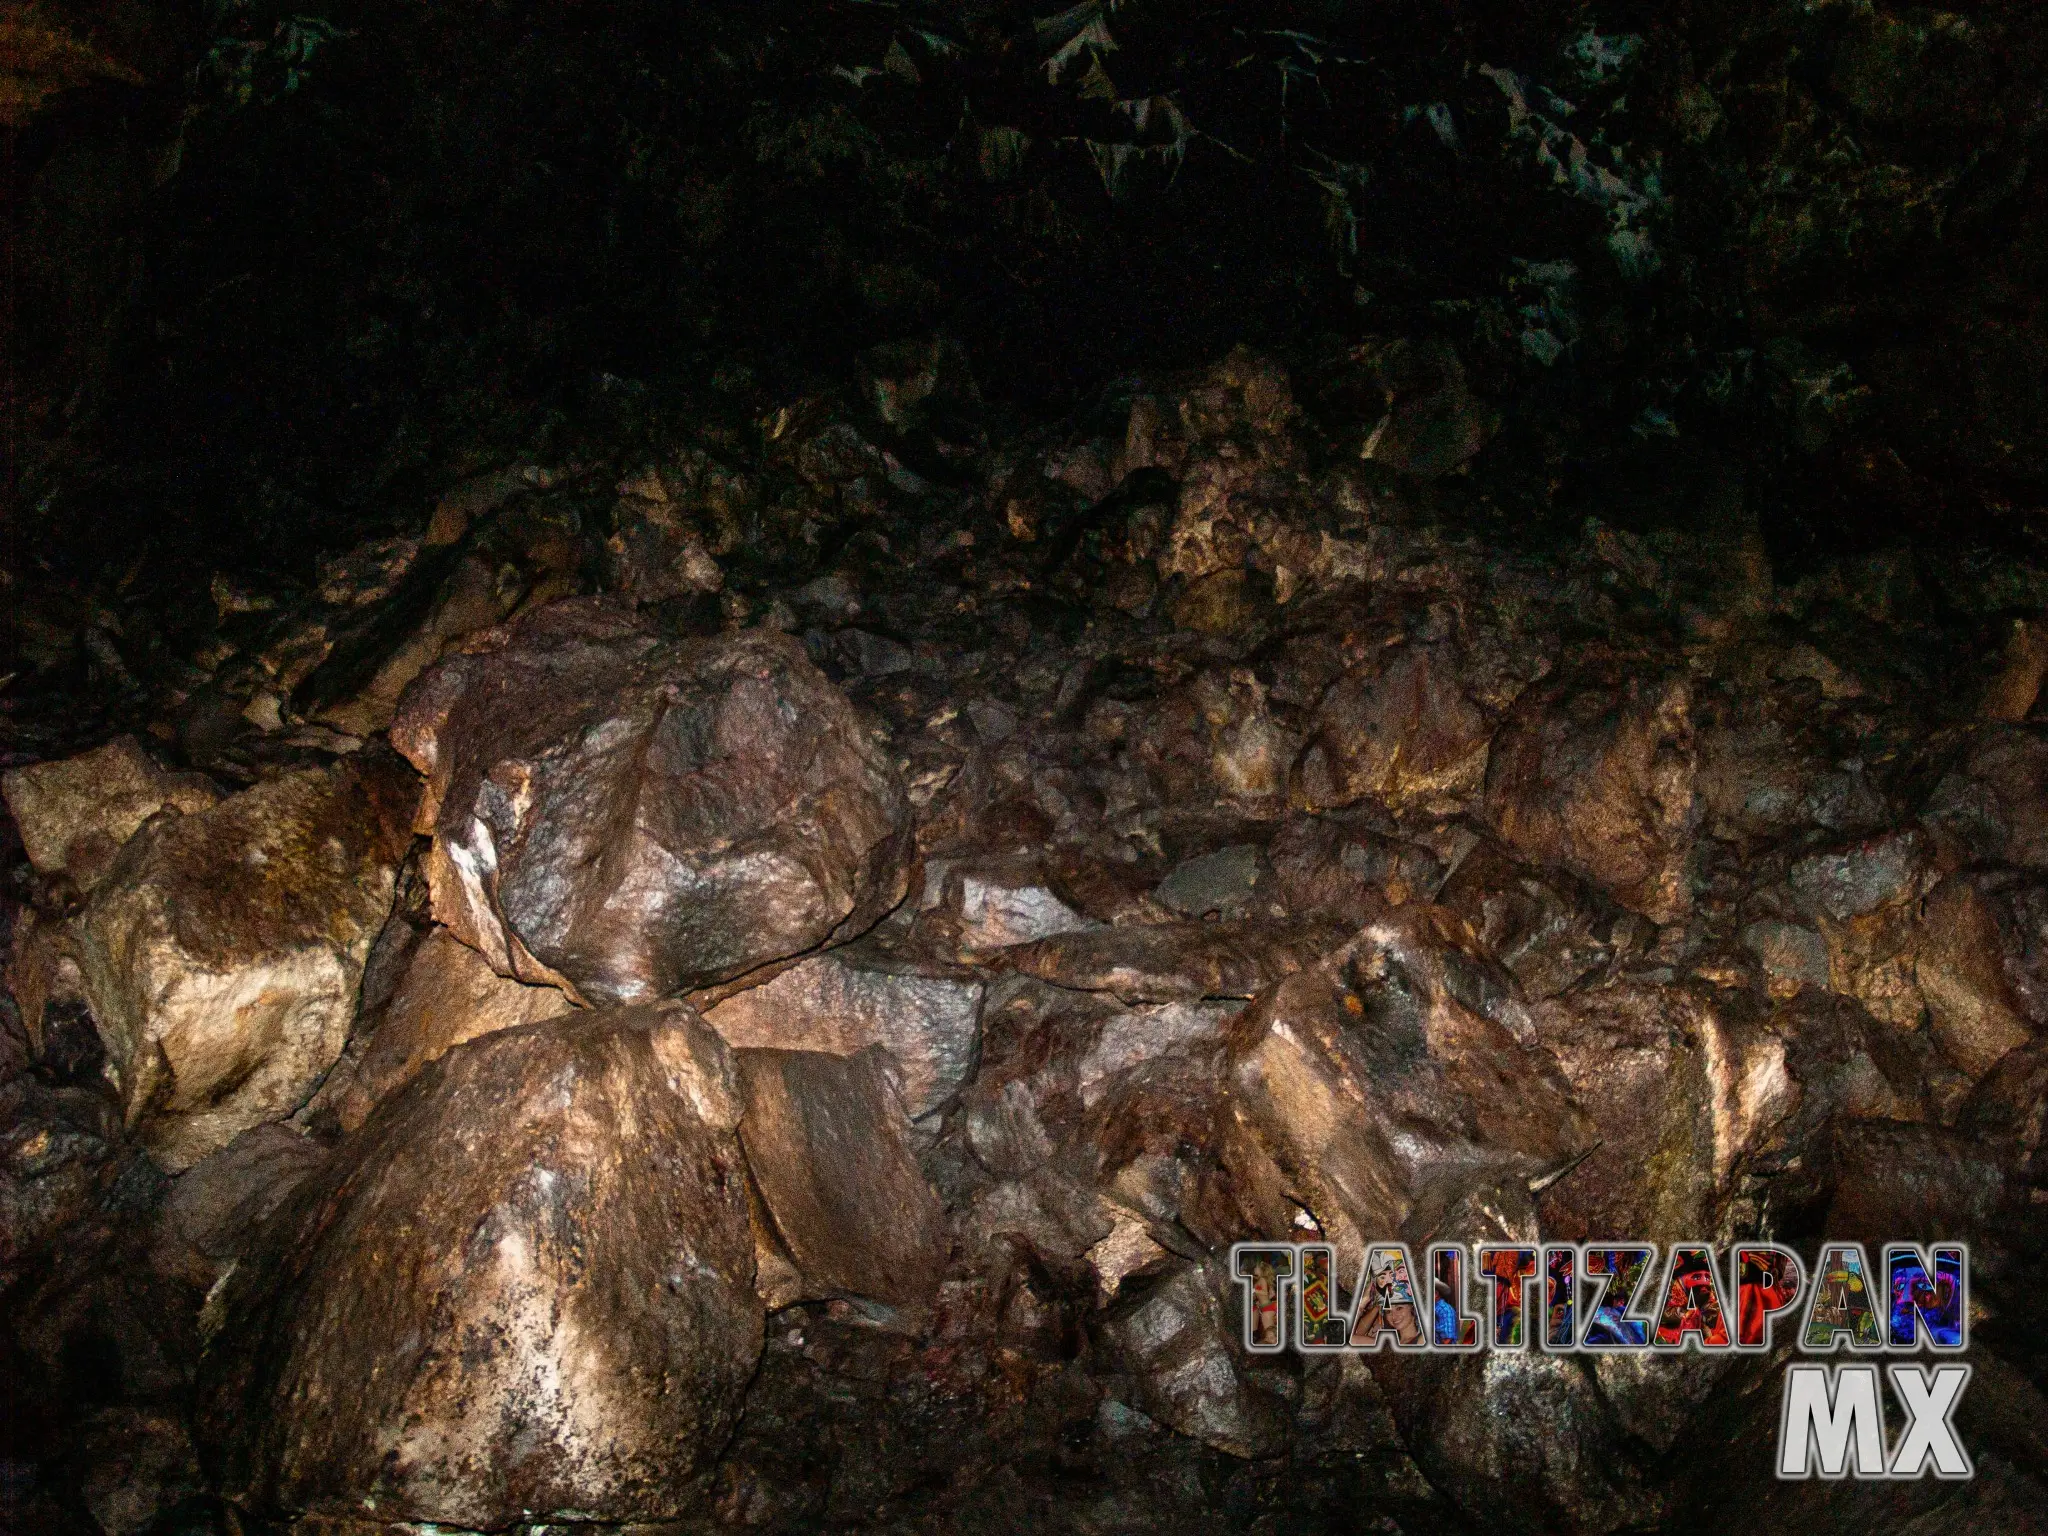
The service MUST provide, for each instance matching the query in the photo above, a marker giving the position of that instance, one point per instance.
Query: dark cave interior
(1110, 536)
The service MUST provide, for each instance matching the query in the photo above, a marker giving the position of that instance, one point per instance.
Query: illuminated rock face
(524, 1290)
(221, 951)
(629, 817)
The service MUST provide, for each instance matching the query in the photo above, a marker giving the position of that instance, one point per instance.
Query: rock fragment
(1597, 775)
(847, 999)
(827, 1143)
(222, 950)
(75, 814)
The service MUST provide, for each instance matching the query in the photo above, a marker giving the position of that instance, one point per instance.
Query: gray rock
(845, 1000)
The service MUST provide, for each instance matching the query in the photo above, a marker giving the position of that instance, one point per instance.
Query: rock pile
(777, 1047)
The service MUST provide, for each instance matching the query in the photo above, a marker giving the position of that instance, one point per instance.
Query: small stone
(1222, 882)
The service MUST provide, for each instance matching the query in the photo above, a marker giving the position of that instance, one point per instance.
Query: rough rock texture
(448, 995)
(1394, 1069)
(1179, 1338)
(524, 1289)
(828, 1146)
(1403, 730)
(630, 817)
(1157, 963)
(1978, 965)
(221, 952)
(1597, 776)
(841, 1002)
(74, 814)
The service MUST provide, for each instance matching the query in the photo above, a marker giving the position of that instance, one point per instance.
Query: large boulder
(221, 951)
(524, 1290)
(1596, 773)
(629, 816)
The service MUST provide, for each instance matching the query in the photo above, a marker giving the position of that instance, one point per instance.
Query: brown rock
(524, 1290)
(1976, 1012)
(1681, 1093)
(1402, 730)
(1162, 962)
(222, 951)
(448, 995)
(1597, 776)
(1994, 802)
(1335, 867)
(1864, 899)
(75, 814)
(828, 1144)
(216, 1206)
(1397, 1062)
(630, 817)
(848, 999)
(1544, 927)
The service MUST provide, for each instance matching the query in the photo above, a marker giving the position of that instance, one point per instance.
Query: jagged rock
(216, 1206)
(448, 995)
(841, 1002)
(1792, 956)
(1544, 927)
(630, 817)
(983, 905)
(1179, 1341)
(56, 1146)
(1162, 962)
(1398, 1062)
(222, 950)
(1227, 442)
(657, 549)
(1332, 867)
(1979, 965)
(1597, 776)
(1403, 730)
(75, 814)
(524, 1290)
(1864, 899)
(1681, 1092)
(827, 1143)
(1994, 802)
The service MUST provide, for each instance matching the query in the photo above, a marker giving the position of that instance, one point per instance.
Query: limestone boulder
(524, 1290)
(630, 816)
(222, 950)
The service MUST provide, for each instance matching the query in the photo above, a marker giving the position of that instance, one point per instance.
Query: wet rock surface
(795, 1047)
